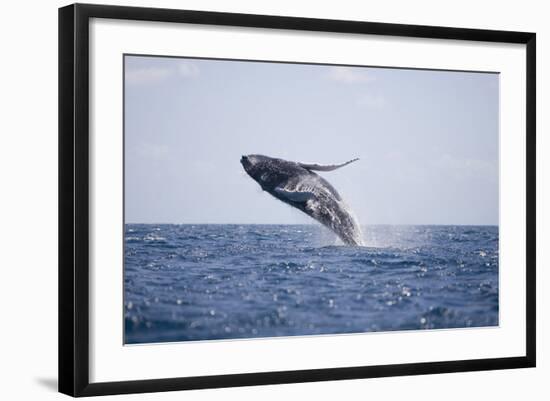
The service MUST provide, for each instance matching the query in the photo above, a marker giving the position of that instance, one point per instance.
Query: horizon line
(310, 224)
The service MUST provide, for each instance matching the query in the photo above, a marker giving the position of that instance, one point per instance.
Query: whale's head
(254, 164)
(267, 171)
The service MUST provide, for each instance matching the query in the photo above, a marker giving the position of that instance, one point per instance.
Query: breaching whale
(298, 185)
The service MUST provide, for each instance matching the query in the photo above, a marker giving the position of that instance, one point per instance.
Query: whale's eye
(264, 177)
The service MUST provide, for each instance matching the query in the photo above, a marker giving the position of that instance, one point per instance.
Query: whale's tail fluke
(325, 167)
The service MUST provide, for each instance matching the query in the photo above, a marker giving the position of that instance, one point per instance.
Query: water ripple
(204, 282)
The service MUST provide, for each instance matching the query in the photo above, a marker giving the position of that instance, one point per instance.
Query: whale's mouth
(245, 161)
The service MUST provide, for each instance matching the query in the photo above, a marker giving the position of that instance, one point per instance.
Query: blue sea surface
(209, 282)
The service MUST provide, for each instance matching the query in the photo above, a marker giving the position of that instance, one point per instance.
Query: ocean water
(209, 282)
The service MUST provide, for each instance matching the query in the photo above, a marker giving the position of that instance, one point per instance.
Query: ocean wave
(238, 281)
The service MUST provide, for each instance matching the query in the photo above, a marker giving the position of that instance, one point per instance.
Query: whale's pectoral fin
(326, 167)
(295, 196)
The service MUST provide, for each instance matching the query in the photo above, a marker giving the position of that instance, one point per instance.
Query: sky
(427, 140)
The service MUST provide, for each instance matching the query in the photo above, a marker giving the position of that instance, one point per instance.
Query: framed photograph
(251, 199)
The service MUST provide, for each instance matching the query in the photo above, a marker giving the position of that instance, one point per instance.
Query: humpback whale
(298, 185)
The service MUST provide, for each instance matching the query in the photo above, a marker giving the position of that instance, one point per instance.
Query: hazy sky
(427, 140)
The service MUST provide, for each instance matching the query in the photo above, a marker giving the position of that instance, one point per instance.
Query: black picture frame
(74, 198)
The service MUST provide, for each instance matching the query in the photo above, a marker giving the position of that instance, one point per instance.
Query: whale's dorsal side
(325, 167)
